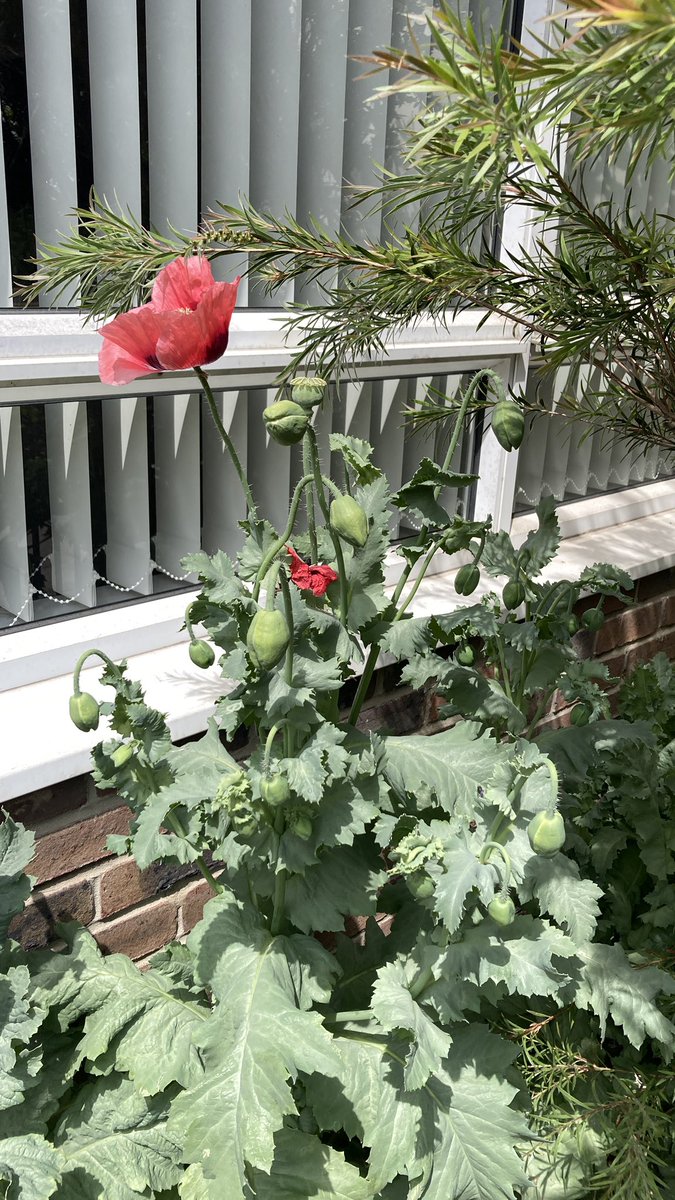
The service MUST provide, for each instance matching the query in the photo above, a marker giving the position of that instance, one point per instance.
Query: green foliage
(528, 660)
(255, 1062)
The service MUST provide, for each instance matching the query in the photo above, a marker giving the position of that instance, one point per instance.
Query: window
(167, 107)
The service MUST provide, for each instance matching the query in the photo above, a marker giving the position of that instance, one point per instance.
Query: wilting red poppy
(310, 578)
(186, 324)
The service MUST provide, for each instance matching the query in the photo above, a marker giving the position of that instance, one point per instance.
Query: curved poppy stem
(227, 441)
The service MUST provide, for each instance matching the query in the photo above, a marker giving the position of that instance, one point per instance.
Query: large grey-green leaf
(256, 1039)
(346, 880)
(303, 1167)
(16, 851)
(31, 1167)
(463, 871)
(561, 892)
(612, 987)
(18, 1022)
(114, 1139)
(149, 1019)
(370, 1104)
(395, 1008)
(447, 768)
(519, 957)
(470, 1124)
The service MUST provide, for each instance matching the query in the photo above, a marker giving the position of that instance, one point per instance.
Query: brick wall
(138, 911)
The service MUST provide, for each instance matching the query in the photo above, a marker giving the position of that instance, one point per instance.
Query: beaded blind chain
(61, 600)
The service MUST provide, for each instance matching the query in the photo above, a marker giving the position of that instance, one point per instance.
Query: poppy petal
(190, 339)
(130, 346)
(182, 284)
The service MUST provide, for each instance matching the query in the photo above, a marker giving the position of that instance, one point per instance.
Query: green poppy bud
(420, 885)
(301, 825)
(502, 909)
(274, 790)
(467, 579)
(286, 421)
(84, 711)
(122, 754)
(349, 521)
(465, 656)
(546, 832)
(513, 594)
(267, 638)
(593, 618)
(508, 424)
(201, 654)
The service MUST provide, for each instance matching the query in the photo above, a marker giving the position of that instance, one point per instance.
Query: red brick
(655, 585)
(77, 845)
(192, 902)
(668, 610)
(665, 643)
(49, 802)
(67, 902)
(123, 885)
(640, 653)
(631, 625)
(139, 933)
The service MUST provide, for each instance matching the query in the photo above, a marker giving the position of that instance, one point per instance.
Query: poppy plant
(309, 577)
(185, 324)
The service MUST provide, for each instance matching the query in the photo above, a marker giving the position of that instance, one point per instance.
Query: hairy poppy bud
(349, 521)
(286, 421)
(508, 424)
(546, 832)
(274, 790)
(267, 638)
(502, 909)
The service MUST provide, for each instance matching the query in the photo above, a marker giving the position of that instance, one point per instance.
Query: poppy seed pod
(308, 391)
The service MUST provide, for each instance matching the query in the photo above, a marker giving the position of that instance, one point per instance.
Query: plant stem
(279, 819)
(426, 562)
(423, 981)
(337, 545)
(359, 1014)
(226, 440)
(93, 652)
(283, 540)
(268, 747)
(485, 854)
(308, 469)
(373, 655)
(176, 826)
(506, 684)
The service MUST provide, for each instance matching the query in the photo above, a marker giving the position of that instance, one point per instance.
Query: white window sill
(42, 747)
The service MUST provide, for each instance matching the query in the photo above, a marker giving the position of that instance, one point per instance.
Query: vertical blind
(93, 536)
(167, 107)
(559, 457)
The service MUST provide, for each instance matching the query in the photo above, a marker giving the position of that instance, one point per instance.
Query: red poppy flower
(186, 324)
(310, 578)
